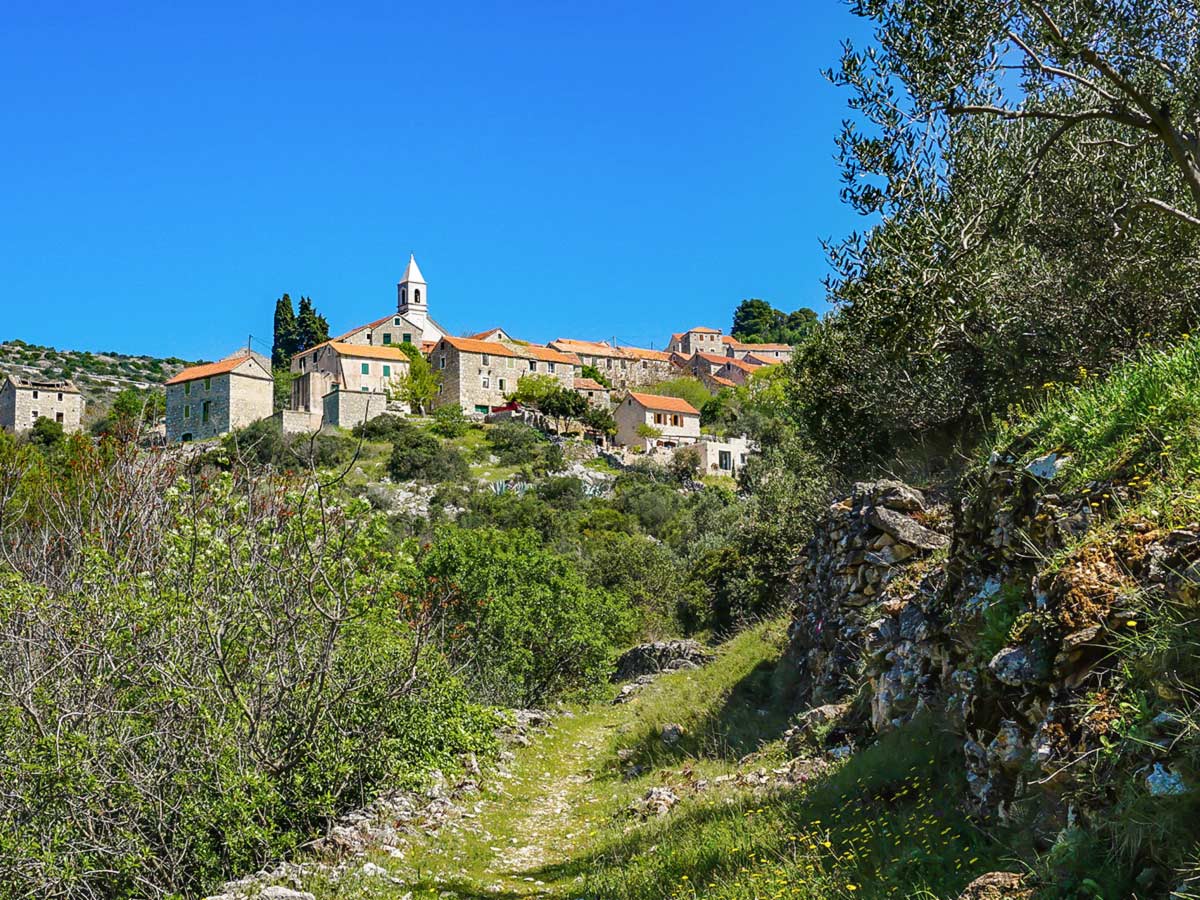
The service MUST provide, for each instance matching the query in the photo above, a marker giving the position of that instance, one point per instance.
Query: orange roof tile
(483, 335)
(740, 364)
(368, 351)
(764, 360)
(711, 358)
(704, 330)
(724, 382)
(207, 370)
(471, 345)
(588, 384)
(534, 351)
(668, 404)
(641, 353)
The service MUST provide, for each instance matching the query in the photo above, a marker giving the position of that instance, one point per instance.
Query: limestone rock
(997, 886)
(660, 656)
(905, 530)
(658, 801)
(672, 733)
(1016, 667)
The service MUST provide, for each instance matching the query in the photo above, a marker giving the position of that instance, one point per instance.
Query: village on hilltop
(350, 379)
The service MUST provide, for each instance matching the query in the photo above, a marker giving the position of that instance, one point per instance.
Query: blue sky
(590, 170)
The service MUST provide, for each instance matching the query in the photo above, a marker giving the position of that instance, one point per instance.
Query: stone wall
(1003, 626)
(18, 403)
(345, 409)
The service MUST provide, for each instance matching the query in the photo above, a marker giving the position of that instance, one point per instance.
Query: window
(35, 395)
(408, 338)
(396, 321)
(609, 361)
(660, 419)
(35, 415)
(303, 365)
(403, 298)
(623, 364)
(481, 408)
(487, 383)
(550, 366)
(186, 436)
(187, 411)
(60, 395)
(387, 371)
(487, 360)
(204, 411)
(416, 295)
(366, 368)
(364, 389)
(208, 383)
(533, 365)
(441, 362)
(501, 384)
(724, 460)
(677, 421)
(58, 417)
(387, 337)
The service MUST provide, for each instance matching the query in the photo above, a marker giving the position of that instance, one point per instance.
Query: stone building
(213, 399)
(676, 421)
(766, 352)
(477, 374)
(593, 392)
(410, 323)
(624, 367)
(724, 457)
(697, 340)
(699, 364)
(336, 365)
(23, 401)
(737, 371)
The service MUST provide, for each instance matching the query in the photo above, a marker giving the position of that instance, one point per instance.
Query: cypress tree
(311, 326)
(284, 344)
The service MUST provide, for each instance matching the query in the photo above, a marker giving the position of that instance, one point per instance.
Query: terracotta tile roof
(207, 370)
(427, 346)
(740, 364)
(368, 351)
(764, 360)
(471, 345)
(592, 348)
(533, 351)
(703, 330)
(723, 382)
(484, 335)
(641, 353)
(677, 337)
(667, 404)
(588, 384)
(711, 358)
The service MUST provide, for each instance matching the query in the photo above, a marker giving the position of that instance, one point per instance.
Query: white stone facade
(336, 365)
(476, 375)
(676, 421)
(24, 401)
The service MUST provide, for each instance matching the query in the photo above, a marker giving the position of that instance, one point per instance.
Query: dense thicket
(1030, 227)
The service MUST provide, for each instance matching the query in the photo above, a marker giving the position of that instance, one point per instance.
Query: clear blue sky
(606, 169)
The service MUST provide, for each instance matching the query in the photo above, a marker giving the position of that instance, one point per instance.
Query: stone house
(23, 401)
(676, 421)
(697, 340)
(336, 365)
(724, 457)
(477, 374)
(741, 350)
(759, 360)
(410, 323)
(624, 367)
(737, 371)
(715, 383)
(706, 364)
(215, 398)
(593, 392)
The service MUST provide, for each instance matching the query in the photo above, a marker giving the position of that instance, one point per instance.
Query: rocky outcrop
(660, 656)
(1008, 636)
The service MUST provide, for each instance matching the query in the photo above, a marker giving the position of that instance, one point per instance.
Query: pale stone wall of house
(345, 409)
(477, 381)
(296, 421)
(380, 376)
(598, 399)
(630, 414)
(186, 415)
(737, 450)
(234, 400)
(19, 403)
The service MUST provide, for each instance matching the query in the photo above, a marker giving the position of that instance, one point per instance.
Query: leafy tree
(600, 420)
(286, 334)
(282, 396)
(419, 386)
(532, 390)
(564, 405)
(516, 444)
(685, 388)
(685, 463)
(757, 322)
(46, 433)
(596, 375)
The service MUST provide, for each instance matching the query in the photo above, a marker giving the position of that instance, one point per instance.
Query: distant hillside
(99, 376)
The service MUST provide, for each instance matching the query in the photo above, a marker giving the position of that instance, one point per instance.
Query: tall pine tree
(284, 344)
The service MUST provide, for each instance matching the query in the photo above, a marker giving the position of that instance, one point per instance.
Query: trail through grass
(882, 825)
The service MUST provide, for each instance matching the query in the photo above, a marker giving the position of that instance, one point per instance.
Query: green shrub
(449, 421)
(420, 456)
(515, 444)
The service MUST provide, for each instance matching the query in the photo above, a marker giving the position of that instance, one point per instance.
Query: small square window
(366, 368)
(35, 415)
(35, 395)
(486, 383)
(533, 365)
(387, 371)
(58, 417)
(487, 360)
(396, 321)
(550, 366)
(365, 389)
(408, 339)
(501, 383)
(387, 337)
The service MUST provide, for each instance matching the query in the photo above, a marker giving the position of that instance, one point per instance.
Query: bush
(384, 427)
(263, 443)
(46, 433)
(533, 628)
(515, 444)
(647, 574)
(176, 737)
(449, 421)
(420, 456)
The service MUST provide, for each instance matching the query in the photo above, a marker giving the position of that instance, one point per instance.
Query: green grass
(883, 825)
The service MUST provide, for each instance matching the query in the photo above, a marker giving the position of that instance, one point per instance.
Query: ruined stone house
(23, 401)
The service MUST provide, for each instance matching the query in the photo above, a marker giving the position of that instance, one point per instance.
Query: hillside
(98, 375)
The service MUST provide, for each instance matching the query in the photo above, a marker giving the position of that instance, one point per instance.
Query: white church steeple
(412, 292)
